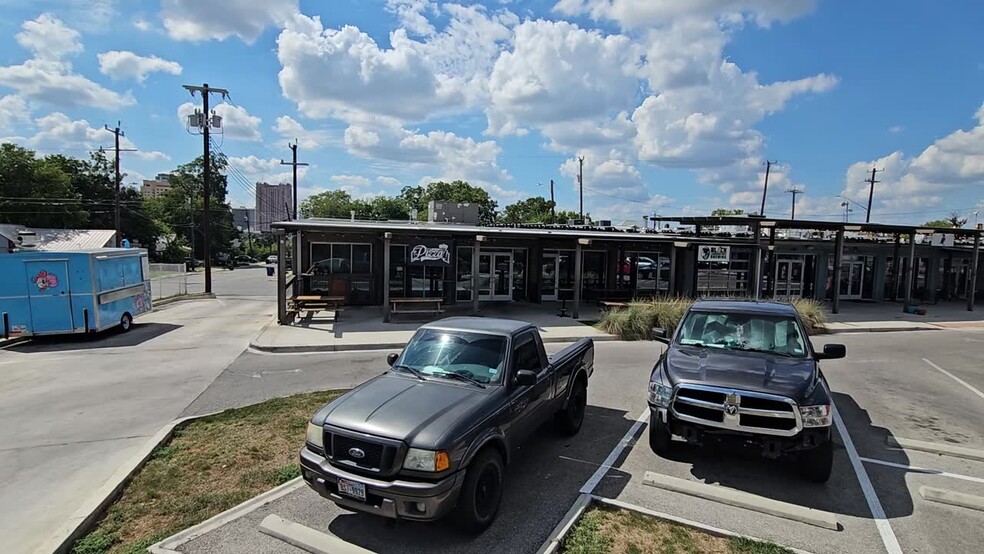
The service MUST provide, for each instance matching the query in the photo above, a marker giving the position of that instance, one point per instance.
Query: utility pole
(204, 122)
(249, 234)
(871, 193)
(117, 133)
(765, 189)
(294, 164)
(580, 185)
(553, 211)
(794, 191)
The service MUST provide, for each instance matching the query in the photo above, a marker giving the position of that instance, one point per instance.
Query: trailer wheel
(126, 321)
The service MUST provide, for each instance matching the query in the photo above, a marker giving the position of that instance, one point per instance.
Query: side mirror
(659, 334)
(391, 359)
(831, 352)
(525, 378)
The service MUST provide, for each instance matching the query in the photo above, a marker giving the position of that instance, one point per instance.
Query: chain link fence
(167, 280)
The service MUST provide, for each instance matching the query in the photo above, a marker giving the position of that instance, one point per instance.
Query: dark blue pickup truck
(432, 435)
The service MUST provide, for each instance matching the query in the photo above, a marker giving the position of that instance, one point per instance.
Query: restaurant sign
(430, 253)
(714, 253)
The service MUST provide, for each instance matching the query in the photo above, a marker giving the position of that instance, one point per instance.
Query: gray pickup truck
(434, 433)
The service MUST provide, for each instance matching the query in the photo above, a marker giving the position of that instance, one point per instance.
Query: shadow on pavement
(745, 470)
(111, 338)
(542, 481)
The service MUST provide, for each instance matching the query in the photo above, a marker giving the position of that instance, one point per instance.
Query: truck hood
(417, 412)
(790, 377)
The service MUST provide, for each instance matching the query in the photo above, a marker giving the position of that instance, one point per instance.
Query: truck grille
(736, 410)
(343, 450)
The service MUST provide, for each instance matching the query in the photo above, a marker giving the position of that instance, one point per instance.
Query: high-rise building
(152, 188)
(244, 219)
(273, 203)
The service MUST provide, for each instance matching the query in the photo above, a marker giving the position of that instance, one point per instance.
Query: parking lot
(919, 385)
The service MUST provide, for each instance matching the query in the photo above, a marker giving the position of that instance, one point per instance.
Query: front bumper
(416, 500)
(771, 445)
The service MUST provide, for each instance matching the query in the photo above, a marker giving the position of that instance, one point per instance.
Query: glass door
(549, 277)
(852, 278)
(789, 279)
(495, 277)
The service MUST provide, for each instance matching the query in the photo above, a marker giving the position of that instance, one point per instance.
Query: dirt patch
(604, 529)
(209, 466)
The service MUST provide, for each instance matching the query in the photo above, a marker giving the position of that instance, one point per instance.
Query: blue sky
(674, 105)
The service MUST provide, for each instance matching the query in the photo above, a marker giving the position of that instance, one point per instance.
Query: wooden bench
(311, 304)
(418, 305)
(613, 304)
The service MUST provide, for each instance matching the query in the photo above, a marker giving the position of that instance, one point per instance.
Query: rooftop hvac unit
(27, 240)
(575, 222)
(604, 223)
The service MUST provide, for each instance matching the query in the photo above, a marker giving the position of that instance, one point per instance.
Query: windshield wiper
(416, 372)
(763, 351)
(462, 377)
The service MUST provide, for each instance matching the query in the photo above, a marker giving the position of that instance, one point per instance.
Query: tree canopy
(724, 212)
(954, 221)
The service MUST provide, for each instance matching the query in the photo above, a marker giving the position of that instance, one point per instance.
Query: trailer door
(51, 299)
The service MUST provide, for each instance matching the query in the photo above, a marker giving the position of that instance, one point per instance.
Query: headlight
(426, 460)
(660, 394)
(315, 435)
(815, 416)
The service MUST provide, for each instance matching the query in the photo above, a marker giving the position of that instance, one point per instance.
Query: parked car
(432, 435)
(744, 372)
(272, 259)
(191, 264)
(244, 260)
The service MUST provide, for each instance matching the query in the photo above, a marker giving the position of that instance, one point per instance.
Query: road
(77, 408)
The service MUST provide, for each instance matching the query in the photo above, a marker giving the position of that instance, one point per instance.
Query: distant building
(244, 219)
(273, 203)
(153, 188)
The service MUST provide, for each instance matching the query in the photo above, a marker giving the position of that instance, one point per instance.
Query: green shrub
(636, 321)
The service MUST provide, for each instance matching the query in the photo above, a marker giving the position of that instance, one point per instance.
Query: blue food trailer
(49, 293)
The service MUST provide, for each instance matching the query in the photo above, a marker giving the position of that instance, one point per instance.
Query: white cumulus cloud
(56, 131)
(122, 64)
(197, 20)
(291, 129)
(642, 13)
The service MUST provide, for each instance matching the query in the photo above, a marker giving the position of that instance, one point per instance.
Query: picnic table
(612, 304)
(311, 304)
(416, 305)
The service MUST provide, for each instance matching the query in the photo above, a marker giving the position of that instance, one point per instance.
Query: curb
(171, 544)
(583, 502)
(174, 299)
(307, 539)
(81, 521)
(4, 343)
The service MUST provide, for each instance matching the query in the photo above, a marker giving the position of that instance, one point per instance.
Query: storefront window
(593, 276)
(341, 269)
(398, 271)
(361, 258)
(728, 278)
(463, 274)
(519, 274)
(652, 271)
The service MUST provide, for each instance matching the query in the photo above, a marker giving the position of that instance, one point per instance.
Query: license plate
(352, 488)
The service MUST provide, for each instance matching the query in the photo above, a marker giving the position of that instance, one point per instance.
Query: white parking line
(926, 470)
(877, 512)
(599, 474)
(955, 378)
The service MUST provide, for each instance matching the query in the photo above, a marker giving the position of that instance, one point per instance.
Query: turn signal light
(442, 462)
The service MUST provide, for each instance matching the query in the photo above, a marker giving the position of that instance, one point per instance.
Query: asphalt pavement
(76, 408)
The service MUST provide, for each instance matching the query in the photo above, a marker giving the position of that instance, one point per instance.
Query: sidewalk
(362, 328)
(872, 317)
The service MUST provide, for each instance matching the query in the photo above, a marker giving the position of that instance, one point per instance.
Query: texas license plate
(352, 488)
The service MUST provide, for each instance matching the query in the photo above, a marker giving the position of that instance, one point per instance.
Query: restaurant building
(373, 262)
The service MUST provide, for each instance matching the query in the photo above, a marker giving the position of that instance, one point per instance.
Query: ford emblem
(357, 453)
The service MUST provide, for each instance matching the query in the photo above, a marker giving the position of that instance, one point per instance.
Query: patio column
(671, 289)
(281, 277)
(773, 260)
(757, 267)
(838, 256)
(896, 264)
(578, 270)
(386, 273)
(911, 274)
(973, 271)
(475, 254)
(298, 261)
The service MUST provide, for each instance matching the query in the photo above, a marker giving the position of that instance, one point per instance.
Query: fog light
(421, 507)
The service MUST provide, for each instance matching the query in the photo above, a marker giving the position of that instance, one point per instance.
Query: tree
(182, 206)
(331, 203)
(954, 221)
(417, 198)
(531, 210)
(563, 216)
(938, 224)
(38, 192)
(725, 212)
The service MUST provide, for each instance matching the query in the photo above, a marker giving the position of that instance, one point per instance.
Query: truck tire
(568, 420)
(660, 438)
(126, 321)
(478, 502)
(817, 463)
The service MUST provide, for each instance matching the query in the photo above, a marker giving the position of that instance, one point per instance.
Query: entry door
(495, 269)
(549, 277)
(50, 296)
(789, 278)
(852, 277)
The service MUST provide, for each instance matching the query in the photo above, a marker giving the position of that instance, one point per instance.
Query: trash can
(269, 271)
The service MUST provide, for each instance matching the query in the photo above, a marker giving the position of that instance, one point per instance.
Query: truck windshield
(437, 352)
(736, 331)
